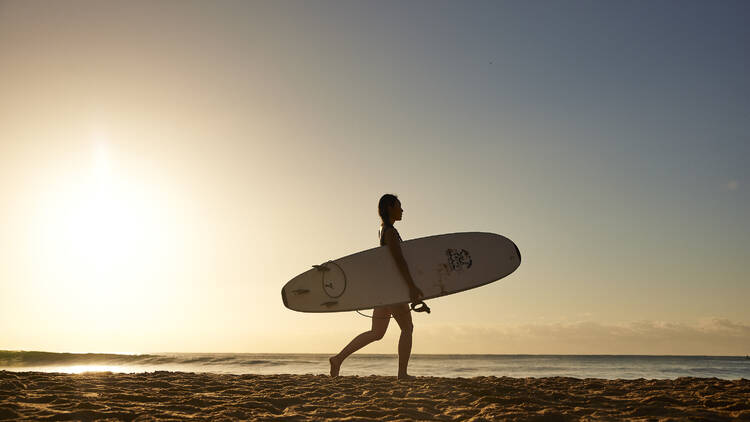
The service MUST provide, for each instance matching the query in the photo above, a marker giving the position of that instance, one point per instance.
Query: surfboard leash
(372, 316)
(420, 307)
(415, 307)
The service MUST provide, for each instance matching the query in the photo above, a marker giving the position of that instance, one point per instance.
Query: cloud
(713, 336)
(710, 336)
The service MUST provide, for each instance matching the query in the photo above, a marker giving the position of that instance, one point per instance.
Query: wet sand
(177, 396)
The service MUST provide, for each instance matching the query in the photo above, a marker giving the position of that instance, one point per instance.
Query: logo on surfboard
(458, 259)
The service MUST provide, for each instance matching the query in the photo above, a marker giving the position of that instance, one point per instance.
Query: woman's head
(389, 208)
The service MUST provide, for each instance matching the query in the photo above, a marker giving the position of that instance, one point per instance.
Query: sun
(100, 233)
(104, 222)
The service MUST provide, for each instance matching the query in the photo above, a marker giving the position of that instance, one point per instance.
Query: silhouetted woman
(390, 211)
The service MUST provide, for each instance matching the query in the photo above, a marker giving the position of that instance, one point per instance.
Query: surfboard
(440, 265)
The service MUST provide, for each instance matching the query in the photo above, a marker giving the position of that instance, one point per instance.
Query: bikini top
(382, 233)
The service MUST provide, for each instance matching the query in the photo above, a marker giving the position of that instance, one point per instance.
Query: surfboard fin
(322, 267)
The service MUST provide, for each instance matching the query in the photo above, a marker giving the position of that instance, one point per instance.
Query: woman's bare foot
(335, 366)
(406, 377)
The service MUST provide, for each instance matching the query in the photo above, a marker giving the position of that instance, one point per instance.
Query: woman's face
(396, 211)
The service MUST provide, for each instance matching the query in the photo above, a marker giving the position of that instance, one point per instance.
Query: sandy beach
(177, 395)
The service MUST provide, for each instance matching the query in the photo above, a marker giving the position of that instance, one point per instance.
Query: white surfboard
(440, 265)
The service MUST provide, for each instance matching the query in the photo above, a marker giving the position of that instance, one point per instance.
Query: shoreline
(181, 395)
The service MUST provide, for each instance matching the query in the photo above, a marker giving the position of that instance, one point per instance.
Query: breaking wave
(19, 359)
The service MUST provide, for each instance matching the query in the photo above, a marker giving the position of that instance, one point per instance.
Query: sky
(166, 167)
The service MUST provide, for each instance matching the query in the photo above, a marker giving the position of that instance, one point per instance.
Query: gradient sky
(165, 167)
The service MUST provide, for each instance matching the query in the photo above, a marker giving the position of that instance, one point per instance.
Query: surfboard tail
(283, 297)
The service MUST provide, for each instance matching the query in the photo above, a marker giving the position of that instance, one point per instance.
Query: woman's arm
(394, 245)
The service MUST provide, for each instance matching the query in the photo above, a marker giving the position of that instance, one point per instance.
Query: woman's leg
(380, 318)
(402, 315)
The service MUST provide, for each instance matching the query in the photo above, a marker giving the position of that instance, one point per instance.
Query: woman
(390, 211)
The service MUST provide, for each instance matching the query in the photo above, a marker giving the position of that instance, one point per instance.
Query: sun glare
(101, 231)
(105, 221)
(99, 223)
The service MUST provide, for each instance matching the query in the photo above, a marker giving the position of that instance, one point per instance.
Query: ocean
(521, 366)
